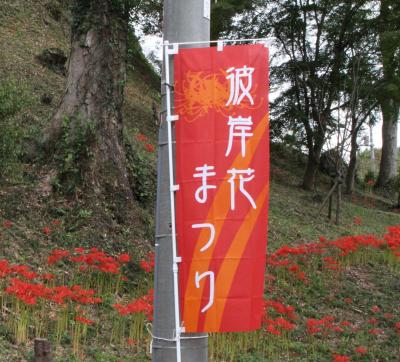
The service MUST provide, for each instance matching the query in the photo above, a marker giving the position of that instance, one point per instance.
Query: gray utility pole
(184, 21)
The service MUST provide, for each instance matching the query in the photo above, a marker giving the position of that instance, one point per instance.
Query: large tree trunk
(314, 152)
(388, 165)
(89, 118)
(389, 94)
(311, 169)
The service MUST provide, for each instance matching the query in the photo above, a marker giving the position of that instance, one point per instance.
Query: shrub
(12, 100)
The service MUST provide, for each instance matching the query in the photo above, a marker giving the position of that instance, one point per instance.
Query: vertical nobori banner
(222, 168)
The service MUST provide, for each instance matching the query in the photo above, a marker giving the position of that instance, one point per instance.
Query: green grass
(294, 217)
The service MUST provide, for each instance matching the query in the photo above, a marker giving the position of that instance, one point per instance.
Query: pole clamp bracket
(174, 188)
(172, 118)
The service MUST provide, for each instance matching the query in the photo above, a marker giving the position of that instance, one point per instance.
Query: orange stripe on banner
(201, 260)
(231, 262)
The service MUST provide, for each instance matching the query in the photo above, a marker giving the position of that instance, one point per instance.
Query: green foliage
(143, 172)
(12, 100)
(79, 11)
(148, 13)
(73, 152)
(136, 60)
(369, 176)
(222, 13)
(86, 13)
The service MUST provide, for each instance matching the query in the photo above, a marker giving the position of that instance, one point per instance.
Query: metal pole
(184, 21)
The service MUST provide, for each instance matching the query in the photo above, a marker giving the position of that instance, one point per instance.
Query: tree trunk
(311, 170)
(351, 171)
(88, 122)
(314, 155)
(388, 96)
(388, 165)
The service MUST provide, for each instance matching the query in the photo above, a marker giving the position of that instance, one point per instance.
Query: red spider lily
(141, 137)
(331, 263)
(131, 342)
(348, 300)
(46, 230)
(375, 309)
(370, 182)
(280, 308)
(98, 260)
(147, 264)
(78, 259)
(388, 315)
(313, 326)
(347, 245)
(121, 309)
(322, 325)
(83, 320)
(24, 271)
(340, 358)
(361, 350)
(140, 305)
(294, 268)
(322, 239)
(345, 324)
(27, 292)
(274, 261)
(4, 268)
(150, 148)
(57, 255)
(279, 324)
(373, 321)
(271, 329)
(56, 222)
(7, 224)
(124, 258)
(374, 331)
(301, 276)
(392, 239)
(284, 324)
(357, 220)
(30, 292)
(397, 326)
(83, 296)
(47, 276)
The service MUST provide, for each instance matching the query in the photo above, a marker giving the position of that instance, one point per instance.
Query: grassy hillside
(36, 222)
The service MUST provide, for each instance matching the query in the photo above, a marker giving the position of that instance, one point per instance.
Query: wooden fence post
(43, 351)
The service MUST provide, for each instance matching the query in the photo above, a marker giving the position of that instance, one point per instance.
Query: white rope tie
(174, 339)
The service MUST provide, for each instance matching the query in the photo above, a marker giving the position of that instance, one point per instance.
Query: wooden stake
(43, 351)
(327, 197)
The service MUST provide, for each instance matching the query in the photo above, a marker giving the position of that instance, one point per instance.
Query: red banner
(222, 169)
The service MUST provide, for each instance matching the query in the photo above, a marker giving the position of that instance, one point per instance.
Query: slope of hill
(34, 220)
